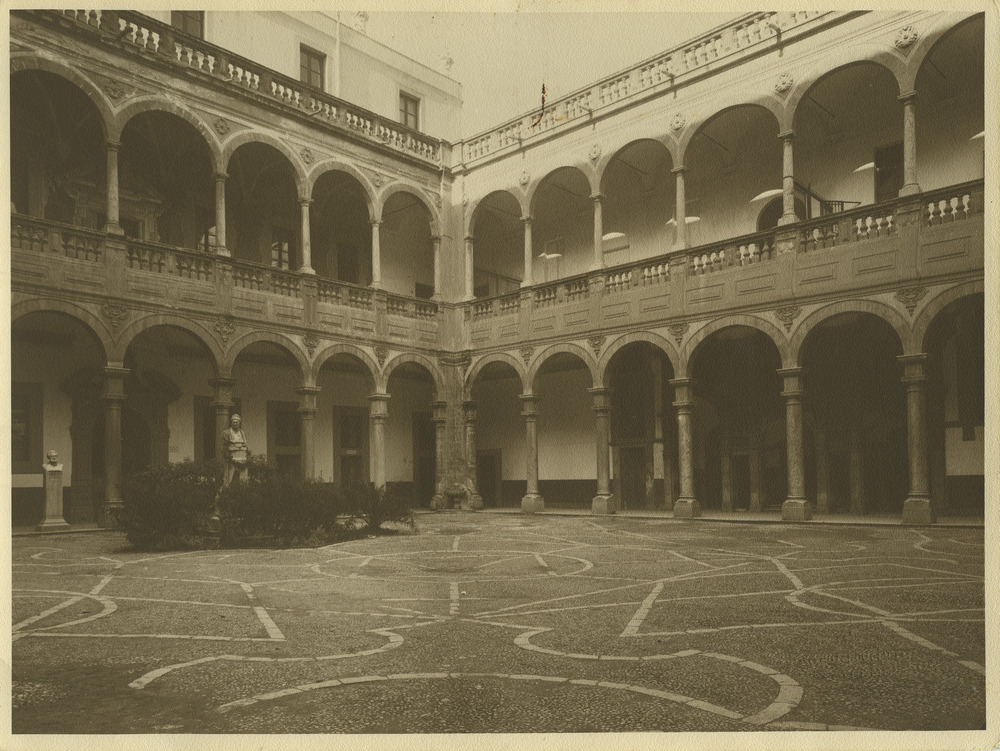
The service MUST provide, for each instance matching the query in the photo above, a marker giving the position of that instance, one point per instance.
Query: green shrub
(169, 506)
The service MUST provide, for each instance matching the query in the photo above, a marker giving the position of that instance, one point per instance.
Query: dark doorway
(488, 476)
(633, 476)
(839, 482)
(424, 448)
(740, 479)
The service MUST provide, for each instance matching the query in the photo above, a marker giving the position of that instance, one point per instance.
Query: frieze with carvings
(787, 315)
(225, 329)
(378, 179)
(596, 342)
(678, 122)
(905, 38)
(115, 90)
(115, 314)
(381, 353)
(307, 155)
(678, 330)
(222, 127)
(911, 296)
(312, 342)
(784, 83)
(526, 352)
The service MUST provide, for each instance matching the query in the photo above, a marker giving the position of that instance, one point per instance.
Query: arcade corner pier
(745, 274)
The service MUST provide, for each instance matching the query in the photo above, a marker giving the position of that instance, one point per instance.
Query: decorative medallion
(114, 90)
(787, 314)
(905, 37)
(381, 352)
(784, 83)
(678, 122)
(307, 155)
(225, 329)
(526, 352)
(377, 180)
(222, 127)
(678, 330)
(311, 341)
(525, 179)
(595, 153)
(115, 314)
(596, 342)
(910, 296)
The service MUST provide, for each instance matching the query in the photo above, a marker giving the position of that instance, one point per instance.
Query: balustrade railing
(29, 233)
(856, 225)
(167, 259)
(953, 204)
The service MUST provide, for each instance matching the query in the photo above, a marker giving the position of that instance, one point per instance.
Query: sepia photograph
(551, 377)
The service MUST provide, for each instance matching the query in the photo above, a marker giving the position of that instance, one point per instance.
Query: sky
(502, 59)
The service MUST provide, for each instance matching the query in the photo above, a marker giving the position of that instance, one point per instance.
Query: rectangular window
(27, 455)
(281, 244)
(350, 445)
(311, 66)
(409, 111)
(284, 436)
(189, 21)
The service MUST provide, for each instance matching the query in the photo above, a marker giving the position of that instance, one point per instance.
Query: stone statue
(53, 461)
(235, 454)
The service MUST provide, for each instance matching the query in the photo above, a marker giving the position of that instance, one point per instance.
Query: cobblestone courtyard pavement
(483, 623)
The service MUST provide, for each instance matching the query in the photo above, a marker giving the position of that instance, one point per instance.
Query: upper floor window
(409, 109)
(189, 21)
(281, 247)
(311, 65)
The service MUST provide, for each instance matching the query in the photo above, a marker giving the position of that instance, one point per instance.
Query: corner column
(796, 507)
(470, 281)
(787, 180)
(680, 211)
(378, 410)
(440, 500)
(532, 501)
(112, 226)
(436, 245)
(114, 396)
(604, 502)
(475, 500)
(598, 232)
(910, 186)
(376, 256)
(307, 424)
(306, 267)
(917, 508)
(220, 214)
(686, 506)
(528, 253)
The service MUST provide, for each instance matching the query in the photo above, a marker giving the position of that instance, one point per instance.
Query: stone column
(474, 501)
(436, 244)
(378, 409)
(307, 425)
(306, 267)
(53, 472)
(604, 502)
(795, 507)
(440, 500)
(114, 396)
(687, 505)
(532, 501)
(220, 214)
(112, 226)
(528, 253)
(787, 180)
(727, 475)
(470, 276)
(597, 198)
(917, 509)
(910, 186)
(680, 212)
(223, 403)
(376, 256)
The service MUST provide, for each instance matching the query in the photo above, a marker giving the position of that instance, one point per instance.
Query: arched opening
(950, 108)
(739, 436)
(343, 436)
(733, 159)
(849, 139)
(57, 153)
(263, 221)
(56, 373)
(955, 347)
(562, 227)
(643, 428)
(567, 469)
(411, 434)
(340, 232)
(500, 461)
(498, 252)
(166, 188)
(855, 401)
(638, 189)
(406, 247)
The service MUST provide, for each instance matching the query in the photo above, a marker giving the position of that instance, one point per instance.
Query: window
(351, 445)
(311, 65)
(409, 109)
(189, 21)
(281, 243)
(284, 437)
(27, 455)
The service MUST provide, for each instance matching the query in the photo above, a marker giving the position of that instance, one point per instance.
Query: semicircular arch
(281, 340)
(196, 329)
(415, 191)
(96, 326)
(343, 348)
(770, 330)
(336, 165)
(928, 40)
(152, 104)
(871, 307)
(254, 136)
(766, 103)
(546, 354)
(472, 208)
(417, 359)
(93, 92)
(495, 357)
(864, 54)
(531, 192)
(936, 305)
(604, 162)
(661, 343)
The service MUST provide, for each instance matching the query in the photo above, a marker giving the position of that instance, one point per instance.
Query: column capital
(683, 388)
(469, 406)
(597, 197)
(914, 374)
(308, 390)
(910, 96)
(221, 177)
(112, 145)
(526, 218)
(787, 135)
(679, 170)
(793, 382)
(305, 201)
(529, 405)
(374, 222)
(221, 383)
(469, 238)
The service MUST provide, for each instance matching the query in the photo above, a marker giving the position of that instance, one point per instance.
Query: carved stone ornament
(378, 180)
(787, 315)
(678, 330)
(526, 352)
(114, 314)
(437, 200)
(312, 342)
(114, 90)
(910, 296)
(595, 153)
(222, 127)
(381, 353)
(678, 122)
(784, 83)
(525, 179)
(225, 329)
(596, 342)
(905, 37)
(307, 155)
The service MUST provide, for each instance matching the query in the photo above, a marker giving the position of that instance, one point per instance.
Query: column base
(108, 516)
(787, 219)
(438, 502)
(222, 251)
(687, 508)
(307, 270)
(680, 246)
(52, 524)
(532, 503)
(918, 510)
(473, 502)
(909, 190)
(604, 505)
(796, 510)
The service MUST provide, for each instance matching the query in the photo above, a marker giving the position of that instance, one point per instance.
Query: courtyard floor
(507, 623)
